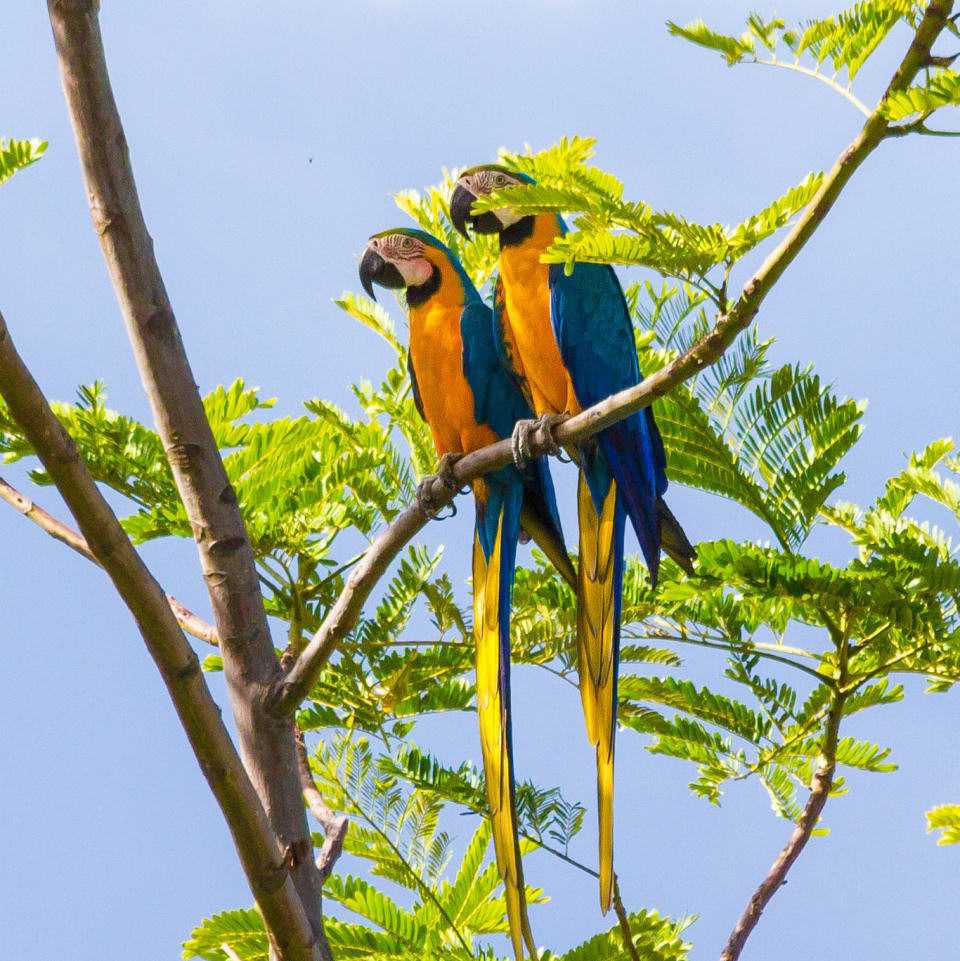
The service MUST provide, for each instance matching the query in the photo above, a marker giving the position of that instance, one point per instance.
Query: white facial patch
(414, 272)
(407, 254)
(507, 217)
(485, 181)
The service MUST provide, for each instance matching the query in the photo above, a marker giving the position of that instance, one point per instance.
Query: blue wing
(593, 328)
(499, 403)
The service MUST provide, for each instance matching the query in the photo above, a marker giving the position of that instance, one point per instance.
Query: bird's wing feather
(494, 554)
(418, 401)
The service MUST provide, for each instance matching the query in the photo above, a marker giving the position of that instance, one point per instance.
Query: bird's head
(400, 258)
(477, 182)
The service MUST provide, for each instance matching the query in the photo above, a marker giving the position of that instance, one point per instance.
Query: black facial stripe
(423, 292)
(516, 233)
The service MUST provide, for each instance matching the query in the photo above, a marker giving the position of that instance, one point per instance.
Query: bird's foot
(525, 429)
(425, 499)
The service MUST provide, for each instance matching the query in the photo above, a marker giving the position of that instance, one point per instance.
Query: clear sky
(267, 140)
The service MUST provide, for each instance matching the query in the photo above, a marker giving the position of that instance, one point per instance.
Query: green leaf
(17, 154)
(655, 938)
(941, 90)
(945, 818)
(372, 315)
(734, 49)
(242, 931)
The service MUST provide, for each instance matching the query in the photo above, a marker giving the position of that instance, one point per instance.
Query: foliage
(17, 154)
(945, 818)
(609, 229)
(395, 828)
(316, 488)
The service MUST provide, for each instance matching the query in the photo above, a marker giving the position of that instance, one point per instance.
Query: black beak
(461, 204)
(374, 269)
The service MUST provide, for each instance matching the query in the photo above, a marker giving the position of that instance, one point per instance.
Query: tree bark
(250, 663)
(260, 855)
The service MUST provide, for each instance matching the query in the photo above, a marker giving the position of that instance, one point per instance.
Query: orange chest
(526, 294)
(436, 354)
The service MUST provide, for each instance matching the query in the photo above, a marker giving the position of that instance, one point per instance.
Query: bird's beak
(374, 269)
(461, 204)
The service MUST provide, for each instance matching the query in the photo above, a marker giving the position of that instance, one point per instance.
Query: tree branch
(256, 844)
(819, 792)
(624, 921)
(187, 620)
(250, 664)
(334, 828)
(290, 690)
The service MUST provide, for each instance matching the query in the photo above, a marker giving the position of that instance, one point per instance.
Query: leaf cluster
(17, 154)
(610, 229)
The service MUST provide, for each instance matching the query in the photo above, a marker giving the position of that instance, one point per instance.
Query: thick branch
(296, 685)
(187, 620)
(334, 828)
(255, 841)
(819, 792)
(250, 664)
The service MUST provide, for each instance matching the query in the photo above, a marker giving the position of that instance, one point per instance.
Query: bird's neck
(417, 296)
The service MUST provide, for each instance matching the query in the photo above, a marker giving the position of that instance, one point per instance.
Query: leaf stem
(831, 82)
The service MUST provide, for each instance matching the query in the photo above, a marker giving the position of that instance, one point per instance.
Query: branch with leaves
(176, 661)
(290, 690)
(768, 439)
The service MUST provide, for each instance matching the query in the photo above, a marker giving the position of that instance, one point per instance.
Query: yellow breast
(436, 353)
(527, 319)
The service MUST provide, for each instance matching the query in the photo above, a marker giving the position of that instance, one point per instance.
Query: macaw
(468, 401)
(568, 340)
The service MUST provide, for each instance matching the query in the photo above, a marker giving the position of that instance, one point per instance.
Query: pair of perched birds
(554, 344)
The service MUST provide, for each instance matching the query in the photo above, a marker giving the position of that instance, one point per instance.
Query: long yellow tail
(597, 635)
(493, 709)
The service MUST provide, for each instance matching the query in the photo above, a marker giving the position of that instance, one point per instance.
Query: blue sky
(267, 141)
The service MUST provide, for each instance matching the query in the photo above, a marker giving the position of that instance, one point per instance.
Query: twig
(334, 828)
(624, 921)
(829, 81)
(819, 792)
(187, 620)
(290, 690)
(256, 843)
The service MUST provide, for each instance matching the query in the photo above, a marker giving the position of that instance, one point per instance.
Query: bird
(567, 340)
(468, 401)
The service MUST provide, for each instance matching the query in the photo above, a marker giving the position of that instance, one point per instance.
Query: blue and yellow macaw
(469, 401)
(568, 340)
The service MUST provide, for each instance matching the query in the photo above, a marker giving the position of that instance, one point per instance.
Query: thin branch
(295, 686)
(334, 828)
(557, 853)
(256, 843)
(187, 620)
(192, 624)
(761, 651)
(819, 792)
(624, 921)
(823, 78)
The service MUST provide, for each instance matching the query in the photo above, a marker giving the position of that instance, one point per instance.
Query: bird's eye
(500, 180)
(407, 243)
